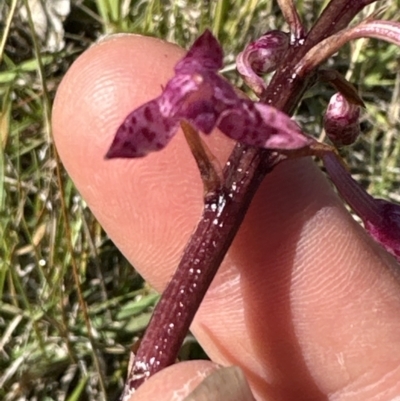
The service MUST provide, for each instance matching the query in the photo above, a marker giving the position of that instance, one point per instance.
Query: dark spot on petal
(149, 135)
(129, 145)
(133, 120)
(148, 115)
(166, 125)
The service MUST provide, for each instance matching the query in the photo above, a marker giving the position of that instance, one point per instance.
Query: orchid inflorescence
(198, 97)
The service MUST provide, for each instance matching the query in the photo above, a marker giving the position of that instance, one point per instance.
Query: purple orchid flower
(200, 96)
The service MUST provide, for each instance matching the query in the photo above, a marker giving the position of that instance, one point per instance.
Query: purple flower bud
(341, 121)
(381, 218)
(203, 98)
(262, 56)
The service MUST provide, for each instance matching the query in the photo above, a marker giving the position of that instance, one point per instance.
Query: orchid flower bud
(262, 56)
(341, 121)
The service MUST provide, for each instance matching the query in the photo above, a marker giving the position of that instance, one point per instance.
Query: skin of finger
(305, 303)
(175, 382)
(228, 384)
(195, 381)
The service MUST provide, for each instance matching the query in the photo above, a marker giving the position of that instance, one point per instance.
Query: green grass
(65, 336)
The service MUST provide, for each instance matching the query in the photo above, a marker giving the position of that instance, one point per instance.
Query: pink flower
(199, 95)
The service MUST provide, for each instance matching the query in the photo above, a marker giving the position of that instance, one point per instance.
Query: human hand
(305, 303)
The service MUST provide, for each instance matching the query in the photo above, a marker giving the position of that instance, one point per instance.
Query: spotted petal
(261, 125)
(143, 131)
(150, 127)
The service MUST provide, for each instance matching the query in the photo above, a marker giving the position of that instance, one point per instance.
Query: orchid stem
(223, 213)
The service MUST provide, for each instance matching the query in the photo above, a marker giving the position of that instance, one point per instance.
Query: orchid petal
(143, 131)
(261, 125)
(178, 92)
(284, 132)
(151, 126)
(205, 53)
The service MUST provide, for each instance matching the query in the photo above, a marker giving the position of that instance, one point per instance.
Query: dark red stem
(224, 210)
(223, 213)
(336, 16)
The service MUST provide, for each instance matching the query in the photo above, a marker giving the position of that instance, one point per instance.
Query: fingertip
(147, 205)
(102, 86)
(99, 90)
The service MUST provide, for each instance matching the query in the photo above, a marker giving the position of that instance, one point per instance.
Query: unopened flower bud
(262, 56)
(341, 121)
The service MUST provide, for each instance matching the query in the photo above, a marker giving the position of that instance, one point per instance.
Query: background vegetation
(70, 304)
